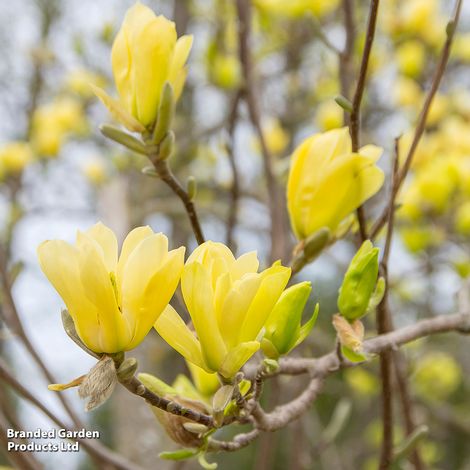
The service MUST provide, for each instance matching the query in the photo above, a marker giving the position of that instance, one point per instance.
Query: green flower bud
(359, 282)
(282, 329)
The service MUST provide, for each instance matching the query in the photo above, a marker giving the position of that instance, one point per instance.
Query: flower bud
(283, 330)
(359, 282)
(145, 56)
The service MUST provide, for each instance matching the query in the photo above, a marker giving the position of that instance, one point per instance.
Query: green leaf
(352, 356)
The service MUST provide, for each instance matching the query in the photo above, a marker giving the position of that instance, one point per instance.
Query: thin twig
(235, 186)
(165, 174)
(94, 448)
(135, 386)
(355, 118)
(275, 202)
(13, 320)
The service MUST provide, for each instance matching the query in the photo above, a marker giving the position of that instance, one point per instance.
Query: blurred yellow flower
(229, 303)
(462, 219)
(411, 57)
(14, 157)
(225, 71)
(297, 8)
(145, 55)
(113, 303)
(79, 81)
(406, 92)
(437, 376)
(95, 171)
(329, 115)
(327, 181)
(277, 139)
(421, 237)
(53, 122)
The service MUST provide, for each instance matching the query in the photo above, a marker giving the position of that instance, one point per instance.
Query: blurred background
(58, 174)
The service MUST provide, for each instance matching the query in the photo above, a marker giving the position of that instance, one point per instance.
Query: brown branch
(421, 124)
(13, 320)
(136, 387)
(275, 201)
(23, 460)
(235, 187)
(346, 55)
(165, 174)
(94, 448)
(355, 118)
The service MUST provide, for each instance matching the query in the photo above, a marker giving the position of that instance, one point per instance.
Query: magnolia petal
(177, 72)
(237, 357)
(98, 288)
(132, 240)
(59, 262)
(237, 304)
(156, 295)
(198, 295)
(371, 151)
(246, 263)
(151, 47)
(105, 237)
(143, 262)
(174, 331)
(118, 111)
(210, 250)
(274, 282)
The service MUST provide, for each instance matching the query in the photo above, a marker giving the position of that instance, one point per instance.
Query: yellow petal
(174, 331)
(274, 282)
(152, 41)
(198, 295)
(237, 303)
(105, 237)
(155, 296)
(177, 73)
(118, 112)
(371, 151)
(130, 243)
(208, 251)
(246, 263)
(97, 287)
(59, 262)
(237, 357)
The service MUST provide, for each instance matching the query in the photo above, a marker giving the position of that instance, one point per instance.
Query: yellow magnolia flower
(53, 122)
(113, 303)
(229, 303)
(145, 55)
(327, 181)
(14, 157)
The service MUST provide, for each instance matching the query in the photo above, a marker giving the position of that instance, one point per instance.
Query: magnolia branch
(319, 369)
(94, 448)
(278, 241)
(355, 118)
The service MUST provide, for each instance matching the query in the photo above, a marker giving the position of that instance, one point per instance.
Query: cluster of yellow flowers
(53, 122)
(14, 157)
(114, 301)
(435, 200)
